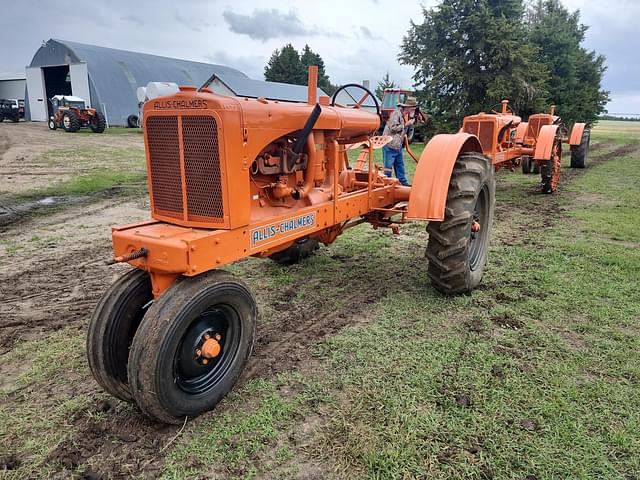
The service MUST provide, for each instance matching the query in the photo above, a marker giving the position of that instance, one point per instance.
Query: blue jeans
(393, 159)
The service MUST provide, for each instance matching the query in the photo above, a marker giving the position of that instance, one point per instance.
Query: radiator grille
(202, 168)
(484, 132)
(535, 124)
(202, 171)
(164, 160)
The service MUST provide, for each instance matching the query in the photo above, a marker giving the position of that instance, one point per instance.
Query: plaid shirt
(395, 128)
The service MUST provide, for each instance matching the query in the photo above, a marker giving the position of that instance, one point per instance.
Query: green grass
(534, 375)
(99, 181)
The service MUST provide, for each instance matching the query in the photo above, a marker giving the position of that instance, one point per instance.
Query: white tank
(141, 93)
(160, 89)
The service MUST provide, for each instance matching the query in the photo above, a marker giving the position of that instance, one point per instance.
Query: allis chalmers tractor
(536, 144)
(236, 177)
(71, 114)
(391, 97)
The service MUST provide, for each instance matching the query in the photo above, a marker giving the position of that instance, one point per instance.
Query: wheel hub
(209, 348)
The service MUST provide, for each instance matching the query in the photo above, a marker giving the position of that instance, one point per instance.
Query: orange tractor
(235, 177)
(535, 144)
(71, 114)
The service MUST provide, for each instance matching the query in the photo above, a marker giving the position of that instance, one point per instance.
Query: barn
(108, 78)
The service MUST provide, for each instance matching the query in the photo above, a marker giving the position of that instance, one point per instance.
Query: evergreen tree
(469, 55)
(309, 57)
(386, 82)
(575, 75)
(285, 66)
(288, 66)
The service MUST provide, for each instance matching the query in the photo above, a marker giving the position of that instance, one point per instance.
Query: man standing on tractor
(392, 151)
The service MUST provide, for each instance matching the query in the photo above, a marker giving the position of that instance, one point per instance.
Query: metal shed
(108, 79)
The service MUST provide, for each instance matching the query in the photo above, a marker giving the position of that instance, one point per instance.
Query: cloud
(366, 33)
(192, 23)
(267, 24)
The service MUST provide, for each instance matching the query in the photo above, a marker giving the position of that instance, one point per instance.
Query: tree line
(468, 55)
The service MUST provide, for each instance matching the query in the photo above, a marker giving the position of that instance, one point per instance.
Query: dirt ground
(22, 168)
(52, 272)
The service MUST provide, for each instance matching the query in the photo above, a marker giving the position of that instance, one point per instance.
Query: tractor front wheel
(98, 123)
(550, 171)
(526, 165)
(52, 124)
(70, 122)
(112, 328)
(579, 152)
(192, 346)
(458, 245)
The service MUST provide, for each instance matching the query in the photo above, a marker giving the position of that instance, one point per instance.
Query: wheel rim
(479, 228)
(191, 373)
(66, 122)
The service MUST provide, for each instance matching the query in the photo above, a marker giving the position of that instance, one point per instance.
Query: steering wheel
(361, 101)
(499, 111)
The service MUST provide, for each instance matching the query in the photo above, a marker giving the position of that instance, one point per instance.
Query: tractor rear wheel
(550, 171)
(458, 245)
(526, 165)
(98, 123)
(70, 122)
(192, 346)
(301, 249)
(112, 328)
(580, 152)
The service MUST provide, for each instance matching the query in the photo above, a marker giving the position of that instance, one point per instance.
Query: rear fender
(433, 173)
(544, 142)
(576, 133)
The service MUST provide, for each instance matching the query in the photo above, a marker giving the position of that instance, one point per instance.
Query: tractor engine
(224, 162)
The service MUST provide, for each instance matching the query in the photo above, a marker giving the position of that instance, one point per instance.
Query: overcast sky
(357, 39)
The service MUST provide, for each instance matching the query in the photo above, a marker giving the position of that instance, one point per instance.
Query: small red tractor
(71, 114)
(235, 177)
(391, 97)
(535, 144)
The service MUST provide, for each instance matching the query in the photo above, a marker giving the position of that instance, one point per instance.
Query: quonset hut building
(107, 79)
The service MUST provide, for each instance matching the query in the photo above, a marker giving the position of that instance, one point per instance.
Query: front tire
(580, 152)
(168, 376)
(112, 328)
(526, 165)
(70, 122)
(52, 124)
(458, 245)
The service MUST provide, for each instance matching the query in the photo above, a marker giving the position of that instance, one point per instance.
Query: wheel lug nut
(207, 336)
(218, 336)
(205, 361)
(198, 352)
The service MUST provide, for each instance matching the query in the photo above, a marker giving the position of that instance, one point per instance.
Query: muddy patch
(111, 442)
(507, 322)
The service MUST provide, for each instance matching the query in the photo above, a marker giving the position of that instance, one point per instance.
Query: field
(360, 368)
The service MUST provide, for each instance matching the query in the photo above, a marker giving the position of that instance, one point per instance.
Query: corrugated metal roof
(247, 87)
(12, 76)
